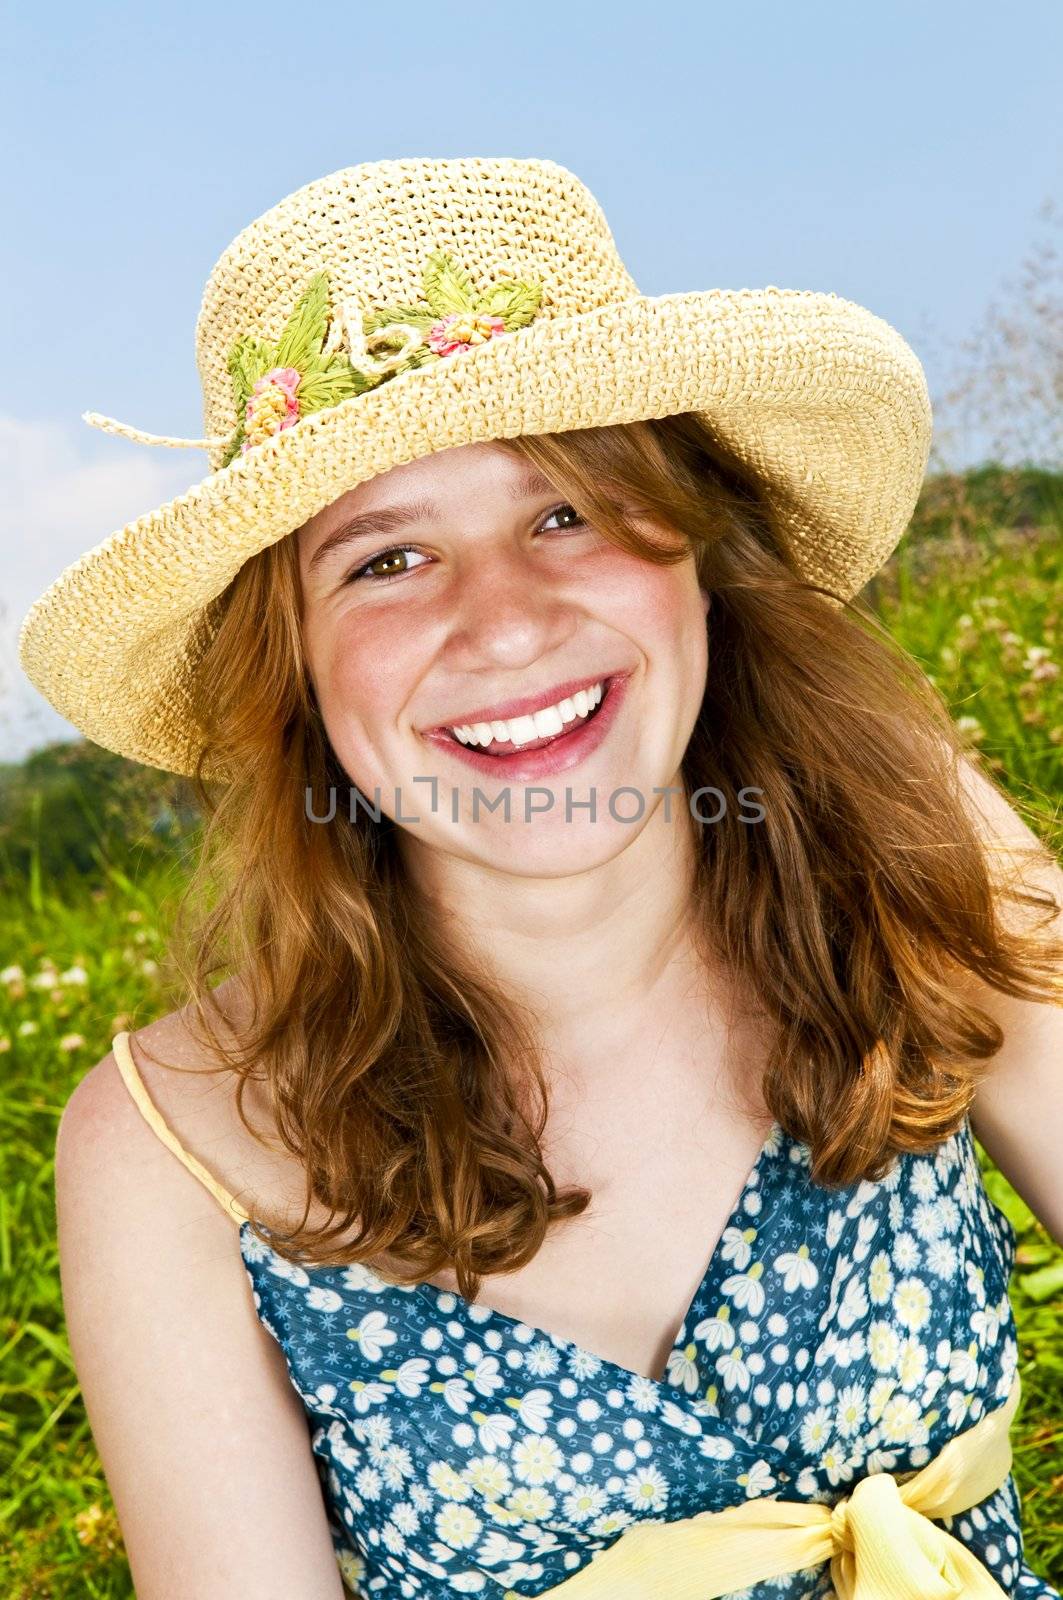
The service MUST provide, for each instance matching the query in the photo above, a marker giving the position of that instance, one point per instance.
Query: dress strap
(154, 1118)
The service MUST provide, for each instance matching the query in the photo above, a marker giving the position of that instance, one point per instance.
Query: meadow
(83, 958)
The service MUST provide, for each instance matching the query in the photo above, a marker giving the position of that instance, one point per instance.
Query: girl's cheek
(363, 667)
(663, 599)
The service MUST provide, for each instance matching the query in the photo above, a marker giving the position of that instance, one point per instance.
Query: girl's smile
(522, 756)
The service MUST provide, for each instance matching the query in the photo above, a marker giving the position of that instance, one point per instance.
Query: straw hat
(397, 308)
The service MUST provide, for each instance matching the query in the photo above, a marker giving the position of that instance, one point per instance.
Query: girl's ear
(706, 600)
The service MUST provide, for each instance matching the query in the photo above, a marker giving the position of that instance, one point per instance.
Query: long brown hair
(410, 1086)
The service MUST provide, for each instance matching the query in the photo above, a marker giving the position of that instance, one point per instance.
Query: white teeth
(521, 730)
(548, 721)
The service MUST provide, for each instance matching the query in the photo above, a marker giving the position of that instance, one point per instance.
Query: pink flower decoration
(460, 329)
(272, 406)
(286, 378)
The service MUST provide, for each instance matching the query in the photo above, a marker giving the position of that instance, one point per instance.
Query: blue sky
(897, 154)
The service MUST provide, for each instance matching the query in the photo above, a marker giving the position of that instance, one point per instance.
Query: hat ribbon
(109, 425)
(880, 1540)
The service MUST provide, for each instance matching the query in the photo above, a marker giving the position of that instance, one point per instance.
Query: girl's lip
(564, 752)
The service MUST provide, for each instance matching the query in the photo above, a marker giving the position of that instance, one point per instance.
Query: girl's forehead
(460, 468)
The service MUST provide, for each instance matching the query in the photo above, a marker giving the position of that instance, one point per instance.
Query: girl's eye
(556, 512)
(388, 558)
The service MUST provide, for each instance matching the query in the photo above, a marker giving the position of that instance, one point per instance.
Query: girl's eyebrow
(389, 519)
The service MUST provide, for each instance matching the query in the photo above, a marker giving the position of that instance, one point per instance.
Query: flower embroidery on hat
(276, 384)
(273, 405)
(325, 355)
(452, 315)
(458, 330)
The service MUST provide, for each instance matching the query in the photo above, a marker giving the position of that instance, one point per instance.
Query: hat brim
(824, 401)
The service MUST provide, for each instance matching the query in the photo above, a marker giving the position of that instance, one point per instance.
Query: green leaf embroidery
(418, 316)
(515, 302)
(322, 364)
(249, 359)
(447, 286)
(232, 449)
(421, 356)
(304, 332)
(320, 389)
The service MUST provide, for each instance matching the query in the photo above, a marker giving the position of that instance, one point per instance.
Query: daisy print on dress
(471, 1453)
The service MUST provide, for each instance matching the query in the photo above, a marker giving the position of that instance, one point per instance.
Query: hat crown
(372, 228)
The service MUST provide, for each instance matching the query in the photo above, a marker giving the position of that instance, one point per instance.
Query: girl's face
(453, 598)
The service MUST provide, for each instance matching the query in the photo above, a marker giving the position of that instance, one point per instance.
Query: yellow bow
(879, 1539)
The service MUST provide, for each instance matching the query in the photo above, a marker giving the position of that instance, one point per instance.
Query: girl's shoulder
(183, 1092)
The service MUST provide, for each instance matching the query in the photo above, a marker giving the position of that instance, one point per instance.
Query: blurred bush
(72, 809)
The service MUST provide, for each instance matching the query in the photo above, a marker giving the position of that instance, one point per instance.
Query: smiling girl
(570, 1183)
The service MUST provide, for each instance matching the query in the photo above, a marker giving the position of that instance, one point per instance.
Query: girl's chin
(535, 850)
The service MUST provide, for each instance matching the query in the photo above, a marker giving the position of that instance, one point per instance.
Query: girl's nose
(508, 605)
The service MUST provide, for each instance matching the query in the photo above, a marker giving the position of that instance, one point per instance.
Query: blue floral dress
(835, 1333)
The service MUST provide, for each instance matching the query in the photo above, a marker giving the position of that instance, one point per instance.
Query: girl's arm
(203, 1439)
(1017, 1113)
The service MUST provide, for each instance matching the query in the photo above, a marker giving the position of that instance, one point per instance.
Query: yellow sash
(879, 1540)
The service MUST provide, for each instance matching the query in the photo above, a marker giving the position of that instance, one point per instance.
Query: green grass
(58, 1534)
(983, 617)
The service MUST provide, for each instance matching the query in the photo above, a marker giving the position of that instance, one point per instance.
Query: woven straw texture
(823, 400)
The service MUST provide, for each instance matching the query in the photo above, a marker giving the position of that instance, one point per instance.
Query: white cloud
(66, 488)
